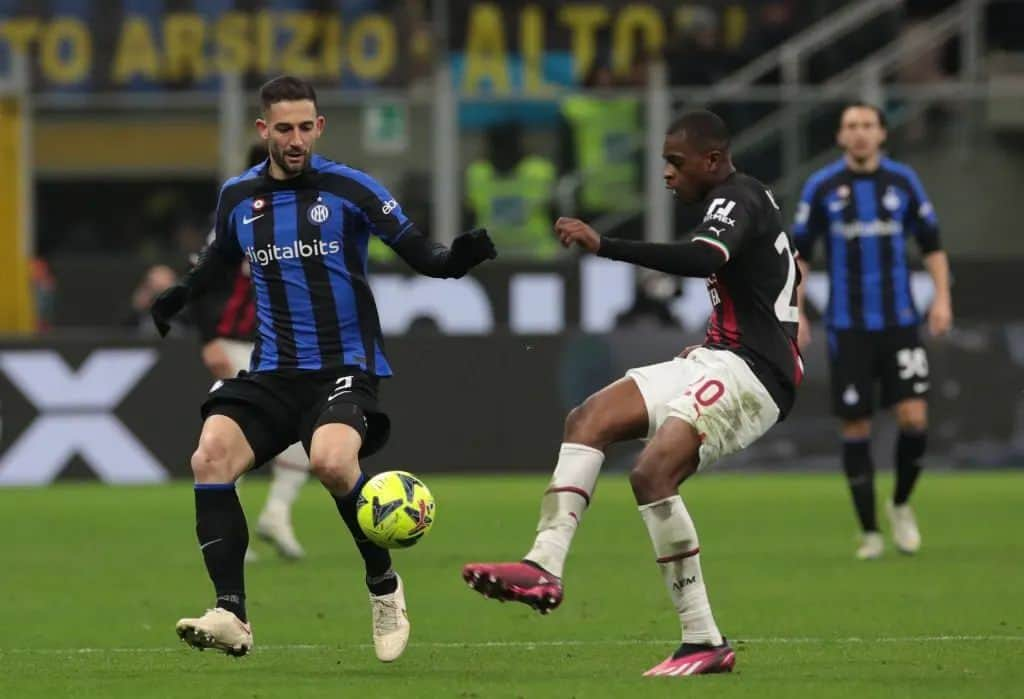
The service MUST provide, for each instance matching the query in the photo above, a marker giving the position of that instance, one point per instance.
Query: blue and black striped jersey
(306, 241)
(865, 219)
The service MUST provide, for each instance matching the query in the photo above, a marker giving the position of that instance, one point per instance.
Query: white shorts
(239, 352)
(713, 390)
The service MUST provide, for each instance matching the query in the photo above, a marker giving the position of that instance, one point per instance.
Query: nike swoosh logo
(209, 543)
(247, 220)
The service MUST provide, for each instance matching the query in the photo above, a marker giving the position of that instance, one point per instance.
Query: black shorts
(894, 357)
(275, 409)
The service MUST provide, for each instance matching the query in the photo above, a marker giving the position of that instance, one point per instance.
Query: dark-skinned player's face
(290, 130)
(861, 133)
(688, 172)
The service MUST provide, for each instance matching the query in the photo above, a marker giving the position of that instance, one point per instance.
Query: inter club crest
(318, 213)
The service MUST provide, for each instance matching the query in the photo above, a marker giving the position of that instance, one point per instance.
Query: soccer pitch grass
(94, 578)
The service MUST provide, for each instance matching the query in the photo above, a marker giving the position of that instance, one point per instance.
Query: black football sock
(860, 475)
(909, 449)
(380, 579)
(223, 538)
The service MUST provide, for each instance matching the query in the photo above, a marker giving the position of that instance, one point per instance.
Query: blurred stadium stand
(116, 128)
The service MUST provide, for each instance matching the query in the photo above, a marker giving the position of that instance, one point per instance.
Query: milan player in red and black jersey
(711, 401)
(226, 320)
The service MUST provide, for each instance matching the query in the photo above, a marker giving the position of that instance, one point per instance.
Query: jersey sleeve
(921, 218)
(384, 214)
(223, 238)
(729, 221)
(808, 222)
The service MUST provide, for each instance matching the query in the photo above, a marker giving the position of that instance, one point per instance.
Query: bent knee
(212, 461)
(587, 425)
(338, 469)
(651, 482)
(912, 416)
(856, 429)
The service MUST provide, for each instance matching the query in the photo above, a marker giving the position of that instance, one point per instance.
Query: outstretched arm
(698, 257)
(435, 260)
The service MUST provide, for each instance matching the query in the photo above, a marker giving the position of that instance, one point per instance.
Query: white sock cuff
(671, 529)
(573, 447)
(660, 503)
(577, 470)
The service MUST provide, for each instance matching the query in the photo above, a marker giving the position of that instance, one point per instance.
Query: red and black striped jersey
(228, 310)
(753, 295)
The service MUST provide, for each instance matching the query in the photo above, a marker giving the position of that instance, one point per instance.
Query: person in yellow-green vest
(604, 145)
(511, 195)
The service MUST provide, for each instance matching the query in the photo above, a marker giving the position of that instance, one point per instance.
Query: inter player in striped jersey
(226, 319)
(709, 402)
(303, 223)
(865, 206)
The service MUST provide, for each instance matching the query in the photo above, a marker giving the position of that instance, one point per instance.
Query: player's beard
(279, 156)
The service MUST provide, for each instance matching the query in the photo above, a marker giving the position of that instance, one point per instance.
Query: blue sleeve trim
(401, 234)
(214, 486)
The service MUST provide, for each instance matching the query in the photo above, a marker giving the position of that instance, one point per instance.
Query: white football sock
(561, 509)
(291, 471)
(677, 548)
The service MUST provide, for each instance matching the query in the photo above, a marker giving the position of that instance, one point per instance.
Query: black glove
(470, 249)
(167, 305)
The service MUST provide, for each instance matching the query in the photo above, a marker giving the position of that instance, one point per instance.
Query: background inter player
(711, 401)
(303, 222)
(865, 206)
(225, 317)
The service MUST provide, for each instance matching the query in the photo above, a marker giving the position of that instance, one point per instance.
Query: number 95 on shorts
(713, 390)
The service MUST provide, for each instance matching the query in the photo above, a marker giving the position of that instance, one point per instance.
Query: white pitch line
(804, 640)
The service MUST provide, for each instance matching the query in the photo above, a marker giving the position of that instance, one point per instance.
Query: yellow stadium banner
(17, 310)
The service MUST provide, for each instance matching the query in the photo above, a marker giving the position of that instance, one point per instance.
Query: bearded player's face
(290, 130)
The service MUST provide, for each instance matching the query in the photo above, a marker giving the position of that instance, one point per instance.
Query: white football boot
(275, 527)
(218, 629)
(390, 624)
(871, 546)
(905, 533)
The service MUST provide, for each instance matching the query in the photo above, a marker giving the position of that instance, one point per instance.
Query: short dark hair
(861, 104)
(704, 130)
(286, 88)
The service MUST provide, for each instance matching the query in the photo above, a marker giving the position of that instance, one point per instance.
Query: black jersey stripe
(263, 238)
(890, 312)
(366, 309)
(855, 293)
(325, 312)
